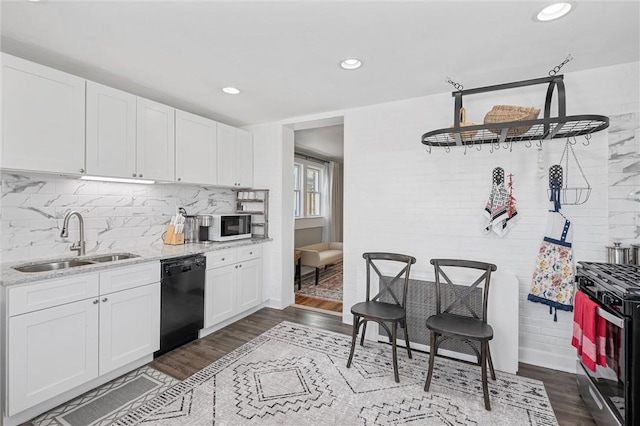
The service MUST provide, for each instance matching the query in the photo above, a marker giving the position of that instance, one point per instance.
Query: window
(307, 190)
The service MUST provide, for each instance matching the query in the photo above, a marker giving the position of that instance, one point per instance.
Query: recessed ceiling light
(231, 90)
(553, 11)
(351, 63)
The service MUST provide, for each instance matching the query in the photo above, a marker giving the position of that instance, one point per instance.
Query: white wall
(400, 198)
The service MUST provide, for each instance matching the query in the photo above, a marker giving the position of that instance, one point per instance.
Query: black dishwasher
(182, 301)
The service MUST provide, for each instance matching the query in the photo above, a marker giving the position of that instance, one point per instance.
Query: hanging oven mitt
(553, 277)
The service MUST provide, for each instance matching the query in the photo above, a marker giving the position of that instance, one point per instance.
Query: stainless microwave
(227, 227)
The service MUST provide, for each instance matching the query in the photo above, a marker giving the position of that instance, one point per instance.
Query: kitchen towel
(500, 209)
(585, 330)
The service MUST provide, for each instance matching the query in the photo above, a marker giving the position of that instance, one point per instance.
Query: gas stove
(612, 390)
(615, 286)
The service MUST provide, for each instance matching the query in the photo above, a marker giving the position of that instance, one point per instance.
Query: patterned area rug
(111, 401)
(329, 285)
(296, 375)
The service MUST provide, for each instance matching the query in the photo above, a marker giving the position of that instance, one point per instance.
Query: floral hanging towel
(553, 277)
(500, 208)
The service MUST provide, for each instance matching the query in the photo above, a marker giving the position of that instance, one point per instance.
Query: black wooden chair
(458, 317)
(373, 309)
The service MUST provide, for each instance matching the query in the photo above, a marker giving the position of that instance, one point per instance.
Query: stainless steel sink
(72, 263)
(113, 257)
(51, 266)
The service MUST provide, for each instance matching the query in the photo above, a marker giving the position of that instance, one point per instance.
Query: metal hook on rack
(528, 143)
(511, 146)
(506, 145)
(447, 149)
(539, 143)
(574, 140)
(587, 137)
(429, 149)
(479, 147)
(465, 149)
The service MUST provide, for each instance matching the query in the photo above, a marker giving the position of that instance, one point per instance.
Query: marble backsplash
(117, 216)
(624, 178)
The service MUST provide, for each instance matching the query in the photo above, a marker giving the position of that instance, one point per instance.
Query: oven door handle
(618, 322)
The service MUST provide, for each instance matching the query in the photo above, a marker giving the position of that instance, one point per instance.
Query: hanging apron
(553, 277)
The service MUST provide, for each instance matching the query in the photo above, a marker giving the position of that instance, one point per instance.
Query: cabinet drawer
(219, 258)
(129, 277)
(45, 294)
(249, 252)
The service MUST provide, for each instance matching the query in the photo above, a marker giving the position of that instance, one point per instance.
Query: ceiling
(284, 55)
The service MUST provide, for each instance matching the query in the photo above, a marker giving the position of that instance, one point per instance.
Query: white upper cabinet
(235, 157)
(155, 147)
(196, 149)
(111, 131)
(43, 118)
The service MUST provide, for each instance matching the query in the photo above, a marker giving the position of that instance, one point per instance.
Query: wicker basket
(506, 113)
(469, 134)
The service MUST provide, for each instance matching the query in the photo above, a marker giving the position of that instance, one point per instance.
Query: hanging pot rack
(562, 126)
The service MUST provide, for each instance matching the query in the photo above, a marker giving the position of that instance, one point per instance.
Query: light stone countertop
(9, 276)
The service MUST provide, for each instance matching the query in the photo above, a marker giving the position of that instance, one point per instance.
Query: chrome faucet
(80, 245)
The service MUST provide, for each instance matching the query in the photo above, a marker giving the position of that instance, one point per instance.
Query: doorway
(318, 164)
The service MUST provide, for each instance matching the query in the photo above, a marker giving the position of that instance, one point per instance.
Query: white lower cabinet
(51, 351)
(233, 283)
(129, 326)
(88, 333)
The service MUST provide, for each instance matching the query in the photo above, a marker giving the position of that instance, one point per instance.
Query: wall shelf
(256, 203)
(545, 128)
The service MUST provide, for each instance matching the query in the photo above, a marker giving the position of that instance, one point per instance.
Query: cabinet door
(226, 155)
(155, 145)
(51, 351)
(195, 149)
(220, 295)
(244, 158)
(249, 284)
(111, 132)
(129, 326)
(43, 118)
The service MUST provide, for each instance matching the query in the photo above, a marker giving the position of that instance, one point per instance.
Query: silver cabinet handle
(95, 302)
(179, 179)
(140, 175)
(81, 170)
(240, 266)
(134, 175)
(222, 258)
(105, 299)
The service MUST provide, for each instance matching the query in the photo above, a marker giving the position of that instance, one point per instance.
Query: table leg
(298, 273)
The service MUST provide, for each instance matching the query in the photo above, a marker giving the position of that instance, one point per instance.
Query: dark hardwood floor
(181, 363)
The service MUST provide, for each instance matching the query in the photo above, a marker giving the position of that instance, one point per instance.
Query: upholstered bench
(321, 254)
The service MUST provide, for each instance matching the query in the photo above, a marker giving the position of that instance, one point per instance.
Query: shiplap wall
(400, 198)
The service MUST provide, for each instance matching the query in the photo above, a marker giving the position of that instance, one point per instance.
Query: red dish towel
(589, 331)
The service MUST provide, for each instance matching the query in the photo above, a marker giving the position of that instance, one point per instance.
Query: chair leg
(406, 337)
(317, 275)
(483, 362)
(354, 337)
(364, 331)
(491, 370)
(432, 359)
(394, 350)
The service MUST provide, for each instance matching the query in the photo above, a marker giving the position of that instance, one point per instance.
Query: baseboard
(547, 360)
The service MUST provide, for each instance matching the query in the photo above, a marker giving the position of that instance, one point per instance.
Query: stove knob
(607, 299)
